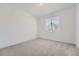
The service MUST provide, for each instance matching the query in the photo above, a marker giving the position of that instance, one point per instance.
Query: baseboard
(57, 41)
(6, 46)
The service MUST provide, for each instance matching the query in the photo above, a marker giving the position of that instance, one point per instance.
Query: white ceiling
(36, 11)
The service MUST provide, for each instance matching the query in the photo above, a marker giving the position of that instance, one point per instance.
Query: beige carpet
(41, 47)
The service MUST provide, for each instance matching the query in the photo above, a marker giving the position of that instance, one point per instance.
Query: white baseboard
(19, 42)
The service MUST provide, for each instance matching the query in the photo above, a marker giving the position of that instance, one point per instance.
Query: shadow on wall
(16, 26)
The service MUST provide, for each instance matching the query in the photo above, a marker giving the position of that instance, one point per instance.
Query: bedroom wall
(16, 26)
(67, 26)
(77, 25)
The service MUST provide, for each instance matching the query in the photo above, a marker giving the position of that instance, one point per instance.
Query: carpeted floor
(40, 47)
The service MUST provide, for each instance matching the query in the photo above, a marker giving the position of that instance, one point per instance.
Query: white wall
(67, 26)
(77, 25)
(16, 26)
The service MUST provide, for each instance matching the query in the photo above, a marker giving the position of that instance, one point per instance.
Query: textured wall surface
(67, 26)
(16, 26)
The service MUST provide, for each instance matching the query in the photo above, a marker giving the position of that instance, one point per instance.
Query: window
(52, 23)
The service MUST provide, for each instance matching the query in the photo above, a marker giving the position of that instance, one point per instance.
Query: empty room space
(39, 29)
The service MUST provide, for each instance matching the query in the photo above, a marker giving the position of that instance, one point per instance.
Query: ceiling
(39, 11)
